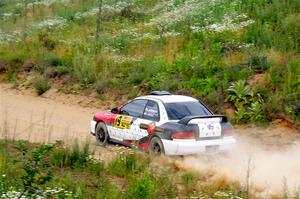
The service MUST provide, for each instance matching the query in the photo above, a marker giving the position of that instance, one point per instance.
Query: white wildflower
(88, 13)
(181, 13)
(122, 58)
(6, 16)
(231, 22)
(10, 37)
(19, 5)
(106, 10)
(56, 22)
(48, 2)
(171, 34)
(246, 45)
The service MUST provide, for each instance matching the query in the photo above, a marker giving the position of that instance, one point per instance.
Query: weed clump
(40, 84)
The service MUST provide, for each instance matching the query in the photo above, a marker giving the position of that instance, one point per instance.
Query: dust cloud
(269, 169)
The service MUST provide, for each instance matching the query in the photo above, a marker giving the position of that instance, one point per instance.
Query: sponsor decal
(123, 122)
(210, 127)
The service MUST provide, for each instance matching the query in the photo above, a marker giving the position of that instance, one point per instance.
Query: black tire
(156, 146)
(102, 136)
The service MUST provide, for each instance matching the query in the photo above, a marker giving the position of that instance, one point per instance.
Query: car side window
(151, 111)
(134, 108)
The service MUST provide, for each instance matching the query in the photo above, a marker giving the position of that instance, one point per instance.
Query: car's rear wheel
(102, 136)
(156, 146)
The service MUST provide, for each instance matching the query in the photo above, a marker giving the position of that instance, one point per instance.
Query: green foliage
(75, 157)
(34, 165)
(259, 62)
(143, 187)
(35, 174)
(62, 70)
(126, 165)
(83, 69)
(40, 84)
(249, 106)
(120, 43)
(189, 181)
(239, 93)
(46, 40)
(66, 13)
(11, 75)
(100, 87)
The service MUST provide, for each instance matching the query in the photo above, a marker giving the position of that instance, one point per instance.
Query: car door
(151, 115)
(124, 125)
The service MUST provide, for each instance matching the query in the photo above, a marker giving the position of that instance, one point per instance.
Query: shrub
(40, 84)
(239, 93)
(249, 106)
(54, 60)
(46, 40)
(50, 72)
(259, 62)
(66, 13)
(74, 157)
(127, 164)
(35, 168)
(143, 187)
(158, 82)
(62, 70)
(136, 78)
(84, 69)
(11, 75)
(121, 43)
(100, 87)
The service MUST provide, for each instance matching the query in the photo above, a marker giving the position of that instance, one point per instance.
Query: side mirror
(115, 110)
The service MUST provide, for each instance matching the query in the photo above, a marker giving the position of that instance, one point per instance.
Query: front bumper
(93, 127)
(176, 147)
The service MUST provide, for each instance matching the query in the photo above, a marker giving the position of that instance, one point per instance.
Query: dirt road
(274, 151)
(50, 118)
(40, 119)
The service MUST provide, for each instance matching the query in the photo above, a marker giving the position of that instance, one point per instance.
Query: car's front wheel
(101, 134)
(156, 146)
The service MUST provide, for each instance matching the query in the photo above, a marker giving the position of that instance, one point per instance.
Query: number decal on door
(123, 121)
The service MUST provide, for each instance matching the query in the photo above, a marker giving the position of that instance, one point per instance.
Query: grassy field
(51, 171)
(241, 57)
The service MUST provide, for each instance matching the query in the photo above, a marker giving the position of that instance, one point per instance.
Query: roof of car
(169, 98)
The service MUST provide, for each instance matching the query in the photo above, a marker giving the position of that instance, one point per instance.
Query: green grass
(53, 171)
(136, 50)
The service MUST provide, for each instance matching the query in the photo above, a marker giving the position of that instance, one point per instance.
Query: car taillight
(228, 132)
(183, 135)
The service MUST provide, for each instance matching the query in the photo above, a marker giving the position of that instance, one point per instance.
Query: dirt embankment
(270, 156)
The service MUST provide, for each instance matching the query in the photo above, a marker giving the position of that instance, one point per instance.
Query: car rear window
(179, 110)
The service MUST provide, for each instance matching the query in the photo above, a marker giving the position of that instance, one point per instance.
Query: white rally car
(165, 124)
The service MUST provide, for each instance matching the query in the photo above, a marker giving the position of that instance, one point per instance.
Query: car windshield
(179, 110)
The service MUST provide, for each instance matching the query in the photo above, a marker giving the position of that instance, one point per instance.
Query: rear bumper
(193, 147)
(93, 127)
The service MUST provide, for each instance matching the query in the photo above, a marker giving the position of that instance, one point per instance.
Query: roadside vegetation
(51, 171)
(238, 55)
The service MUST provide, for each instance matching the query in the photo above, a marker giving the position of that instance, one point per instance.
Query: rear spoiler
(187, 119)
